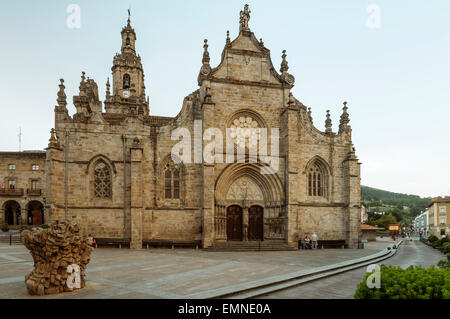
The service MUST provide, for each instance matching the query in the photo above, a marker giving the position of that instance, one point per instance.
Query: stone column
(54, 206)
(207, 176)
(353, 190)
(245, 224)
(136, 197)
(289, 169)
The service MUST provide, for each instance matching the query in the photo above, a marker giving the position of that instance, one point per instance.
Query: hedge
(410, 283)
(446, 247)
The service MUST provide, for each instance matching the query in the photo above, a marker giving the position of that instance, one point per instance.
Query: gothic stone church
(110, 169)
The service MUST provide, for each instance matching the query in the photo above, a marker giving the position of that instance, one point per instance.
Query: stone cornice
(249, 83)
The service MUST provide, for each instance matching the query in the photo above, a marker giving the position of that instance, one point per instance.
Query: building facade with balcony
(439, 216)
(22, 188)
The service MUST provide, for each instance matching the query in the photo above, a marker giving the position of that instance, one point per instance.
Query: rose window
(245, 131)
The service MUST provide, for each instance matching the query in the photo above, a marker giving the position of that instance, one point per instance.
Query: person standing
(314, 239)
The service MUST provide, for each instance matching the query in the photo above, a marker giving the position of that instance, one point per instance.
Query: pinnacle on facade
(345, 119)
(309, 113)
(206, 58)
(62, 98)
(108, 86)
(52, 141)
(83, 81)
(244, 18)
(205, 70)
(328, 126)
(284, 63)
(228, 42)
(352, 153)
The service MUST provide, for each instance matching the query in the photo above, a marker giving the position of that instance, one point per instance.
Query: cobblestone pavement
(166, 273)
(343, 286)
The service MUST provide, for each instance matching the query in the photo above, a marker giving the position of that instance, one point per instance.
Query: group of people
(308, 243)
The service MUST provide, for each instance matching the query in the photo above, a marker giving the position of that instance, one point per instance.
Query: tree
(385, 220)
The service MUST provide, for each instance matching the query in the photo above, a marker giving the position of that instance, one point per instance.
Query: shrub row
(410, 283)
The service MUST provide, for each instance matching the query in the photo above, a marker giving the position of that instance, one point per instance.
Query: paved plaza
(343, 286)
(172, 273)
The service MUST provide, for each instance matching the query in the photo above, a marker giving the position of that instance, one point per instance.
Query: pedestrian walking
(314, 239)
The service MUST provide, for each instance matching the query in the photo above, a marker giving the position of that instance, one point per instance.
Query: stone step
(250, 246)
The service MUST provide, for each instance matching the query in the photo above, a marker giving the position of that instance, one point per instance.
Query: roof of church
(31, 152)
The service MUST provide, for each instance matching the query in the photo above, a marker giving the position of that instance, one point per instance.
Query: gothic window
(128, 41)
(245, 131)
(172, 178)
(126, 81)
(102, 181)
(317, 180)
(168, 183)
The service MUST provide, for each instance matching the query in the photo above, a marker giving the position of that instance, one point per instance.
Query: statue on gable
(244, 18)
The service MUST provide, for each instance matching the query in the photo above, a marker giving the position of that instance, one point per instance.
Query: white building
(420, 223)
(364, 216)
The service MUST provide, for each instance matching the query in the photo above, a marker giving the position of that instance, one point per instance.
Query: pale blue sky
(395, 78)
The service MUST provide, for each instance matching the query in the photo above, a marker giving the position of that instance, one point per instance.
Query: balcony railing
(11, 192)
(34, 192)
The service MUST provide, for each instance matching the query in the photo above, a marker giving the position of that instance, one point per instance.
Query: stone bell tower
(128, 94)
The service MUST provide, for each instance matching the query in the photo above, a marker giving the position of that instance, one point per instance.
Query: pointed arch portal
(248, 205)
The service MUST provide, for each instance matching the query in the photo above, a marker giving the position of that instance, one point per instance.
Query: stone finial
(206, 58)
(62, 98)
(261, 42)
(345, 119)
(53, 142)
(83, 82)
(309, 113)
(352, 153)
(228, 42)
(284, 63)
(244, 19)
(328, 126)
(108, 92)
(285, 76)
(205, 70)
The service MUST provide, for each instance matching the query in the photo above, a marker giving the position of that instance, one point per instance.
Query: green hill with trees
(398, 208)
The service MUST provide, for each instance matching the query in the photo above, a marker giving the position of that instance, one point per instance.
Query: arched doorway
(255, 223)
(35, 213)
(259, 198)
(12, 212)
(234, 222)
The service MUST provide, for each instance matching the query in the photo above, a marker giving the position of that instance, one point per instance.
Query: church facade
(111, 167)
